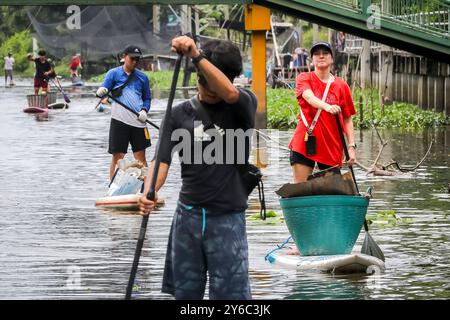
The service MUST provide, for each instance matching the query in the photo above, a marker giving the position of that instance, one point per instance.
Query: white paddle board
(343, 263)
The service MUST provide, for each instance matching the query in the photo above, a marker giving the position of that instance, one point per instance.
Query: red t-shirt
(329, 147)
(75, 62)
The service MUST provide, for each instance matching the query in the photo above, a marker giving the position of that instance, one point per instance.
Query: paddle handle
(66, 98)
(344, 145)
(137, 256)
(151, 193)
(167, 115)
(129, 109)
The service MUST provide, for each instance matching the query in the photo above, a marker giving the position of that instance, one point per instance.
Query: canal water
(55, 244)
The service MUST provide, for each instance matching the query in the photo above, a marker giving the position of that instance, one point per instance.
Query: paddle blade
(371, 248)
(66, 98)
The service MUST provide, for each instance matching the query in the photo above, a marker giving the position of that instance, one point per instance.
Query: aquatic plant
(283, 109)
(386, 218)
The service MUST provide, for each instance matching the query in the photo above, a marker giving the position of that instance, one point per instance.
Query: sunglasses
(135, 59)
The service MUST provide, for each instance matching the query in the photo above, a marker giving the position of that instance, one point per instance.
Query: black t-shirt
(211, 183)
(41, 67)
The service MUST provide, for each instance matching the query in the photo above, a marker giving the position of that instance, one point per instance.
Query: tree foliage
(18, 45)
(12, 20)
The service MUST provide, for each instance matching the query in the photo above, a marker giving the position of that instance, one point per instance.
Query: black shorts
(298, 158)
(121, 134)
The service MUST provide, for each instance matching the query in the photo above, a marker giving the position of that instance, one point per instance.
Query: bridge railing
(430, 16)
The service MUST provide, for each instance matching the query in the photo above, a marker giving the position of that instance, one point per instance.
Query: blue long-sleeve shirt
(135, 95)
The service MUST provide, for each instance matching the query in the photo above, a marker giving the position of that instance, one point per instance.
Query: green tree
(12, 20)
(19, 45)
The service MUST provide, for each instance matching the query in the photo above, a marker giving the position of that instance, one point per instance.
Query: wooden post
(365, 64)
(196, 23)
(156, 24)
(257, 20)
(361, 111)
(315, 33)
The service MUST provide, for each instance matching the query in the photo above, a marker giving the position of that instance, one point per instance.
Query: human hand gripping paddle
(369, 246)
(151, 194)
(128, 108)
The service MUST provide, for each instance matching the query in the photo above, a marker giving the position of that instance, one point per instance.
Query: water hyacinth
(283, 109)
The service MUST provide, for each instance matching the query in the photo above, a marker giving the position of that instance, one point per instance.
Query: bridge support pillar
(423, 92)
(386, 74)
(447, 95)
(439, 94)
(365, 64)
(431, 103)
(257, 20)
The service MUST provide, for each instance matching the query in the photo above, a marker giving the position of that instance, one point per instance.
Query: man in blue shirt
(131, 87)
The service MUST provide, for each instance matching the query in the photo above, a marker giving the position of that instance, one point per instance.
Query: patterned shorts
(200, 243)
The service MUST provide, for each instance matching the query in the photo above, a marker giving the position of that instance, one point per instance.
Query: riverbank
(282, 112)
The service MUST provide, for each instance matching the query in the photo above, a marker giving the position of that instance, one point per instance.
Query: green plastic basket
(324, 225)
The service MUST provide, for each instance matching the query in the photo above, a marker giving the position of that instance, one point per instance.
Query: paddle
(131, 110)
(99, 101)
(151, 193)
(369, 247)
(66, 98)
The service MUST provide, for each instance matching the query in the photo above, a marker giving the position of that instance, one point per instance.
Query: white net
(102, 30)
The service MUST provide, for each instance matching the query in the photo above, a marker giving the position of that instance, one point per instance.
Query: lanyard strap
(316, 118)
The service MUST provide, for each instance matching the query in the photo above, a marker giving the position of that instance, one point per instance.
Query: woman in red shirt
(75, 63)
(310, 88)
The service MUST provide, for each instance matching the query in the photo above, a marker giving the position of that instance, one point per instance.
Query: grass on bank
(283, 109)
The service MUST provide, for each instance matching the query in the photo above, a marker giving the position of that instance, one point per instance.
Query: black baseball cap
(133, 51)
(323, 45)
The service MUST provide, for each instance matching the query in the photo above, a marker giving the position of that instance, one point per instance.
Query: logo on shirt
(201, 135)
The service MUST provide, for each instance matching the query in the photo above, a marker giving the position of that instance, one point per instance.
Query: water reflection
(51, 234)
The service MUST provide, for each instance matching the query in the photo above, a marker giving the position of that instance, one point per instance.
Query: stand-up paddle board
(35, 110)
(343, 263)
(58, 105)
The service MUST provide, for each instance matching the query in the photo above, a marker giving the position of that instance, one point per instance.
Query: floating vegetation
(272, 217)
(283, 110)
(386, 219)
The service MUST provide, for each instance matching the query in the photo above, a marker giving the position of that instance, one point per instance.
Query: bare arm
(317, 103)
(217, 81)
(162, 176)
(146, 206)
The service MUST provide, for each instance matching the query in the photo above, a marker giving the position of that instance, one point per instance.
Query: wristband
(198, 58)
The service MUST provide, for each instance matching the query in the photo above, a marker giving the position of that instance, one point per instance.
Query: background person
(9, 64)
(125, 127)
(44, 71)
(74, 65)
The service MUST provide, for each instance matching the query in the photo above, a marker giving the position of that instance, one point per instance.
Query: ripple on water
(51, 234)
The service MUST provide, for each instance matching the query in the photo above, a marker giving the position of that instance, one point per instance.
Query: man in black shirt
(44, 71)
(208, 232)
